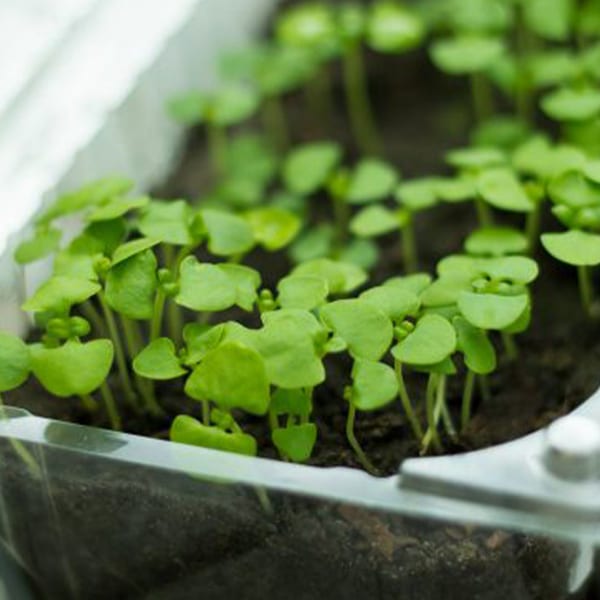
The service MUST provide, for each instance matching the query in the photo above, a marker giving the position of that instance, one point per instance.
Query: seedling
(314, 167)
(219, 110)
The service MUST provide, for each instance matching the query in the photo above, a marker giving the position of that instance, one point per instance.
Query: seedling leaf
(341, 277)
(199, 340)
(371, 180)
(574, 247)
(158, 360)
(366, 329)
(496, 241)
(291, 402)
(374, 385)
(500, 188)
(246, 281)
(432, 341)
(492, 311)
(15, 362)
(187, 430)
(167, 221)
(466, 53)
(116, 208)
(205, 287)
(228, 234)
(59, 293)
(233, 376)
(394, 28)
(302, 291)
(566, 104)
(307, 168)
(273, 228)
(130, 249)
(473, 342)
(73, 369)
(393, 301)
(376, 220)
(296, 441)
(43, 243)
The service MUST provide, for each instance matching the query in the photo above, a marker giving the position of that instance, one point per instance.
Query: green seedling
(576, 203)
(315, 167)
(218, 111)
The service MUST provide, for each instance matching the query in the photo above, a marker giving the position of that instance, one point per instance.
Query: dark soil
(139, 533)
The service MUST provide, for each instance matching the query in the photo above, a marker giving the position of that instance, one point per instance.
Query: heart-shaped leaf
(302, 291)
(45, 241)
(394, 28)
(129, 249)
(371, 180)
(15, 362)
(455, 189)
(446, 290)
(167, 221)
(228, 234)
(158, 360)
(496, 241)
(291, 402)
(314, 243)
(417, 194)
(201, 339)
(273, 228)
(131, 286)
(473, 342)
(296, 441)
(233, 104)
(517, 269)
(309, 25)
(246, 281)
(415, 283)
(550, 19)
(361, 252)
(341, 277)
(374, 385)
(466, 53)
(205, 287)
(376, 220)
(59, 293)
(366, 329)
(492, 311)
(187, 430)
(475, 158)
(116, 208)
(233, 376)
(73, 369)
(501, 188)
(566, 104)
(394, 301)
(432, 341)
(592, 170)
(574, 190)
(574, 247)
(249, 157)
(308, 168)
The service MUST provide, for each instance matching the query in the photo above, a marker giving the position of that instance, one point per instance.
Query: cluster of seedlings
(156, 290)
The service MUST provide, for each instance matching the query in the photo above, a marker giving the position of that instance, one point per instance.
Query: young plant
(219, 110)
(314, 167)
(576, 199)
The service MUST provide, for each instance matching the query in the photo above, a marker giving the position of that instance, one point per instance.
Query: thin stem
(217, 148)
(318, 94)
(585, 288)
(341, 216)
(88, 310)
(273, 420)
(157, 315)
(433, 407)
(446, 416)
(275, 123)
(484, 214)
(360, 111)
(132, 337)
(89, 403)
(111, 407)
(206, 412)
(406, 403)
(510, 346)
(481, 94)
(360, 454)
(467, 399)
(532, 227)
(119, 352)
(484, 388)
(409, 246)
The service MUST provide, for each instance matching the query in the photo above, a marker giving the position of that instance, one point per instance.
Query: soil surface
(179, 536)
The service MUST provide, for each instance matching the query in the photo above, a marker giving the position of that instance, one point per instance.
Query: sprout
(568, 104)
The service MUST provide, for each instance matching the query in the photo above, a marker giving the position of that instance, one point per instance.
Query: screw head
(572, 448)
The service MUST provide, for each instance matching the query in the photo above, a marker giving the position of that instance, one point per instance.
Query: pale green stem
(362, 121)
(406, 403)
(360, 454)
(484, 214)
(481, 93)
(217, 147)
(341, 217)
(275, 123)
(319, 96)
(532, 227)
(510, 346)
(585, 288)
(467, 399)
(119, 352)
(206, 412)
(446, 416)
(157, 315)
(88, 310)
(273, 420)
(409, 246)
(484, 388)
(111, 407)
(88, 403)
(434, 409)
